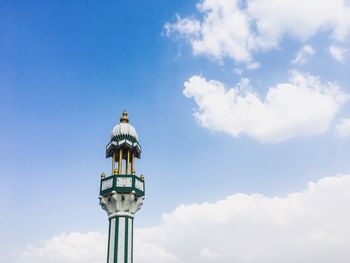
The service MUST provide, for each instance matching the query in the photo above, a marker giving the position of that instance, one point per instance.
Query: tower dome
(123, 136)
(124, 127)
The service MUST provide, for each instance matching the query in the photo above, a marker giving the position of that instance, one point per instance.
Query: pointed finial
(124, 118)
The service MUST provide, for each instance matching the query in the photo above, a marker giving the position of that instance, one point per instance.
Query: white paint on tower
(121, 239)
(130, 240)
(112, 241)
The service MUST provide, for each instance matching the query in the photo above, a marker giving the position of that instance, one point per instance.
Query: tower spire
(124, 118)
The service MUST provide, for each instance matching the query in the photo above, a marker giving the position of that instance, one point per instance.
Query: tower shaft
(120, 243)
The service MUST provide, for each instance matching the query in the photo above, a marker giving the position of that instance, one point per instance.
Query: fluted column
(120, 163)
(113, 163)
(120, 209)
(127, 162)
(120, 243)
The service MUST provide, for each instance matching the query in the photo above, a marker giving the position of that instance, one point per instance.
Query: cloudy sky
(242, 108)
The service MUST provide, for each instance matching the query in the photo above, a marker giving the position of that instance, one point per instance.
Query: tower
(122, 193)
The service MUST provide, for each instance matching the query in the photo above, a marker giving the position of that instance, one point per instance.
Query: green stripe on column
(111, 240)
(132, 243)
(130, 240)
(109, 233)
(116, 240)
(126, 240)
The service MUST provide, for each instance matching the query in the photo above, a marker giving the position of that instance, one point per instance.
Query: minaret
(122, 193)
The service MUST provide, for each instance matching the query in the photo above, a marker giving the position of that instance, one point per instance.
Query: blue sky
(69, 68)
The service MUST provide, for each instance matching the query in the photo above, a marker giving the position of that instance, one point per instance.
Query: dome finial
(124, 118)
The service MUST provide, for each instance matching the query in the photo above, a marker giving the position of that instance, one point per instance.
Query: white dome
(124, 129)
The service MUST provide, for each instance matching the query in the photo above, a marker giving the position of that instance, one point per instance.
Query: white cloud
(238, 71)
(338, 53)
(303, 55)
(307, 226)
(186, 27)
(152, 252)
(256, 228)
(303, 106)
(253, 66)
(68, 248)
(297, 18)
(236, 29)
(343, 128)
(224, 31)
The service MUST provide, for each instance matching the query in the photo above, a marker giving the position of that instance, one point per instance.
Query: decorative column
(121, 209)
(122, 195)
